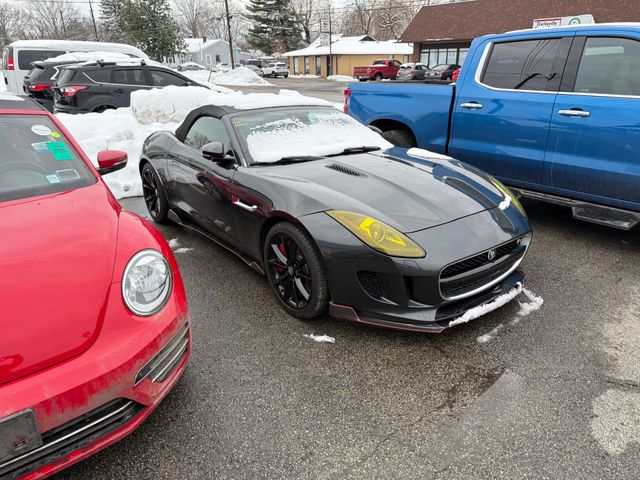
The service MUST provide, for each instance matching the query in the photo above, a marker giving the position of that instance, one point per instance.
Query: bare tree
(13, 23)
(54, 19)
(193, 15)
(306, 12)
(217, 26)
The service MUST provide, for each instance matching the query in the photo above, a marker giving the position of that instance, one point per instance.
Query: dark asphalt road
(556, 395)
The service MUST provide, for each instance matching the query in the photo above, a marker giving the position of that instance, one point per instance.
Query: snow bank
(480, 310)
(114, 130)
(238, 77)
(308, 75)
(321, 338)
(341, 78)
(427, 154)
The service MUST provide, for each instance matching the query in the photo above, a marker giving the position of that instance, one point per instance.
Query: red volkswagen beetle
(94, 326)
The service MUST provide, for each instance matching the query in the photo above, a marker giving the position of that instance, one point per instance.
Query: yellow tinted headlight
(378, 235)
(508, 193)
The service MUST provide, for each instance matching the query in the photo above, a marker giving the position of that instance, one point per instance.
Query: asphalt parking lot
(555, 394)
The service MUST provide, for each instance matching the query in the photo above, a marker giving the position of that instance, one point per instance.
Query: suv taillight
(347, 94)
(10, 65)
(39, 87)
(71, 91)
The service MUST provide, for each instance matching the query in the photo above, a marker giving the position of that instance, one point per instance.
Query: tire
(154, 194)
(294, 268)
(400, 138)
(378, 77)
(102, 108)
(274, 75)
(286, 76)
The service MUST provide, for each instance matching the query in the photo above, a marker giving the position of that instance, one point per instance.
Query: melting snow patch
(173, 243)
(480, 310)
(532, 305)
(426, 154)
(504, 204)
(487, 337)
(321, 338)
(340, 78)
(182, 250)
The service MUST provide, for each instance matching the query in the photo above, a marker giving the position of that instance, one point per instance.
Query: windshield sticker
(41, 130)
(59, 151)
(55, 135)
(67, 174)
(40, 147)
(52, 178)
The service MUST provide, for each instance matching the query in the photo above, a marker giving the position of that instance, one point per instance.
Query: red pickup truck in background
(379, 70)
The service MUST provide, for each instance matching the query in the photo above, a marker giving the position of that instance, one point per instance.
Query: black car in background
(38, 83)
(442, 72)
(100, 86)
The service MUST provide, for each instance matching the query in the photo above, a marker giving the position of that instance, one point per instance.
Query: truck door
(501, 117)
(594, 140)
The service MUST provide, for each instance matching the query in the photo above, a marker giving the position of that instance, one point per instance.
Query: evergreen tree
(149, 25)
(274, 26)
(110, 19)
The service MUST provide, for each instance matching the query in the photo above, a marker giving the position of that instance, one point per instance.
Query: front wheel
(378, 77)
(295, 271)
(154, 194)
(273, 75)
(400, 138)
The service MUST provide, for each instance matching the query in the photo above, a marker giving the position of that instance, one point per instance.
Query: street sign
(324, 39)
(325, 25)
(562, 21)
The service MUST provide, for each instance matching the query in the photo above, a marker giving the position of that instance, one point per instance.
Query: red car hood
(56, 264)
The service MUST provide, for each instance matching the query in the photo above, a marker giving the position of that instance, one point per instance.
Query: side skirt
(174, 217)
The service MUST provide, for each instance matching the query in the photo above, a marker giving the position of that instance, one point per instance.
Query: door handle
(471, 105)
(236, 201)
(175, 163)
(118, 90)
(574, 113)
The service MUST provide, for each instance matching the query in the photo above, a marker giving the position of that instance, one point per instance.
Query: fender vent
(371, 284)
(346, 170)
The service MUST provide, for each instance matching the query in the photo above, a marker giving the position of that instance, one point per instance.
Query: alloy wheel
(151, 193)
(289, 271)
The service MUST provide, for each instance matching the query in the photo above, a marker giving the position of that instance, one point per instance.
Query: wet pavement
(554, 394)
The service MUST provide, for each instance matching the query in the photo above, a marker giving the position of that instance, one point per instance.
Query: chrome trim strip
(488, 285)
(67, 436)
(163, 353)
(170, 364)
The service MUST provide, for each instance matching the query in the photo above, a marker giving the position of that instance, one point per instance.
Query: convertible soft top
(7, 102)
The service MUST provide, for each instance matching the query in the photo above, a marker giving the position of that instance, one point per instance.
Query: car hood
(56, 260)
(407, 195)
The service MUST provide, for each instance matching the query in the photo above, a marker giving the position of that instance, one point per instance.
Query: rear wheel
(295, 271)
(273, 74)
(378, 77)
(154, 194)
(400, 138)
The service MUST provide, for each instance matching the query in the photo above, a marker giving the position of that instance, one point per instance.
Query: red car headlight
(146, 282)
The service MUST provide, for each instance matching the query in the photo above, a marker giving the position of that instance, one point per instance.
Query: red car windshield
(36, 159)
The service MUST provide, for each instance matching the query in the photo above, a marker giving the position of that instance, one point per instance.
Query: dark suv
(38, 83)
(99, 86)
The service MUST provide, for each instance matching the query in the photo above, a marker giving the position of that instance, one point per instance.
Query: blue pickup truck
(553, 113)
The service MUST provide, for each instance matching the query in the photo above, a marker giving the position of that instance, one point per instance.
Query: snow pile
(427, 154)
(480, 310)
(340, 78)
(114, 130)
(173, 243)
(239, 76)
(534, 303)
(172, 104)
(331, 134)
(321, 338)
(487, 337)
(307, 75)
(91, 57)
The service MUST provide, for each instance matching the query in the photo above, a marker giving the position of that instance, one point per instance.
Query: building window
(462, 55)
(306, 65)
(443, 56)
(405, 59)
(208, 59)
(218, 58)
(318, 65)
(296, 67)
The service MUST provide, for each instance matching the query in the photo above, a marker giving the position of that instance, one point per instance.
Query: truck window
(526, 65)
(609, 66)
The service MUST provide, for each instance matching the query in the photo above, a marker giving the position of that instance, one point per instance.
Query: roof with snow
(80, 46)
(360, 45)
(196, 44)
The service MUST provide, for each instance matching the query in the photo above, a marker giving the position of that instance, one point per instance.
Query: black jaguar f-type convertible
(337, 219)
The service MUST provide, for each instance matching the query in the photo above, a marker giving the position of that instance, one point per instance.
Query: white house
(209, 52)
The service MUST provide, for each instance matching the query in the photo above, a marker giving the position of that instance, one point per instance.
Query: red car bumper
(90, 401)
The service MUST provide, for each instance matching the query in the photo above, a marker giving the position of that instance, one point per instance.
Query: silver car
(258, 71)
(412, 71)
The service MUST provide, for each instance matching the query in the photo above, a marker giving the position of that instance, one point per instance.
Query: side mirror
(213, 151)
(111, 160)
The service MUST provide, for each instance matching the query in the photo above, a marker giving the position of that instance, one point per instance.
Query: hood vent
(346, 170)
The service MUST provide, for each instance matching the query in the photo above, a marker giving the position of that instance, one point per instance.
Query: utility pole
(93, 19)
(330, 47)
(226, 8)
(64, 29)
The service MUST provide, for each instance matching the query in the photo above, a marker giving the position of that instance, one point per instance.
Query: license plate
(18, 435)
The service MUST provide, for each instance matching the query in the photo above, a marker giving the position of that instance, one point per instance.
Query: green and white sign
(562, 21)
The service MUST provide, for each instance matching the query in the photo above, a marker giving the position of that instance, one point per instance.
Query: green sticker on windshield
(59, 151)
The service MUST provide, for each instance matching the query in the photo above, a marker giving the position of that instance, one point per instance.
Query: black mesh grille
(477, 261)
(371, 284)
(346, 170)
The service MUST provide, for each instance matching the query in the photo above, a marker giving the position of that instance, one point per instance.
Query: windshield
(270, 136)
(37, 160)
